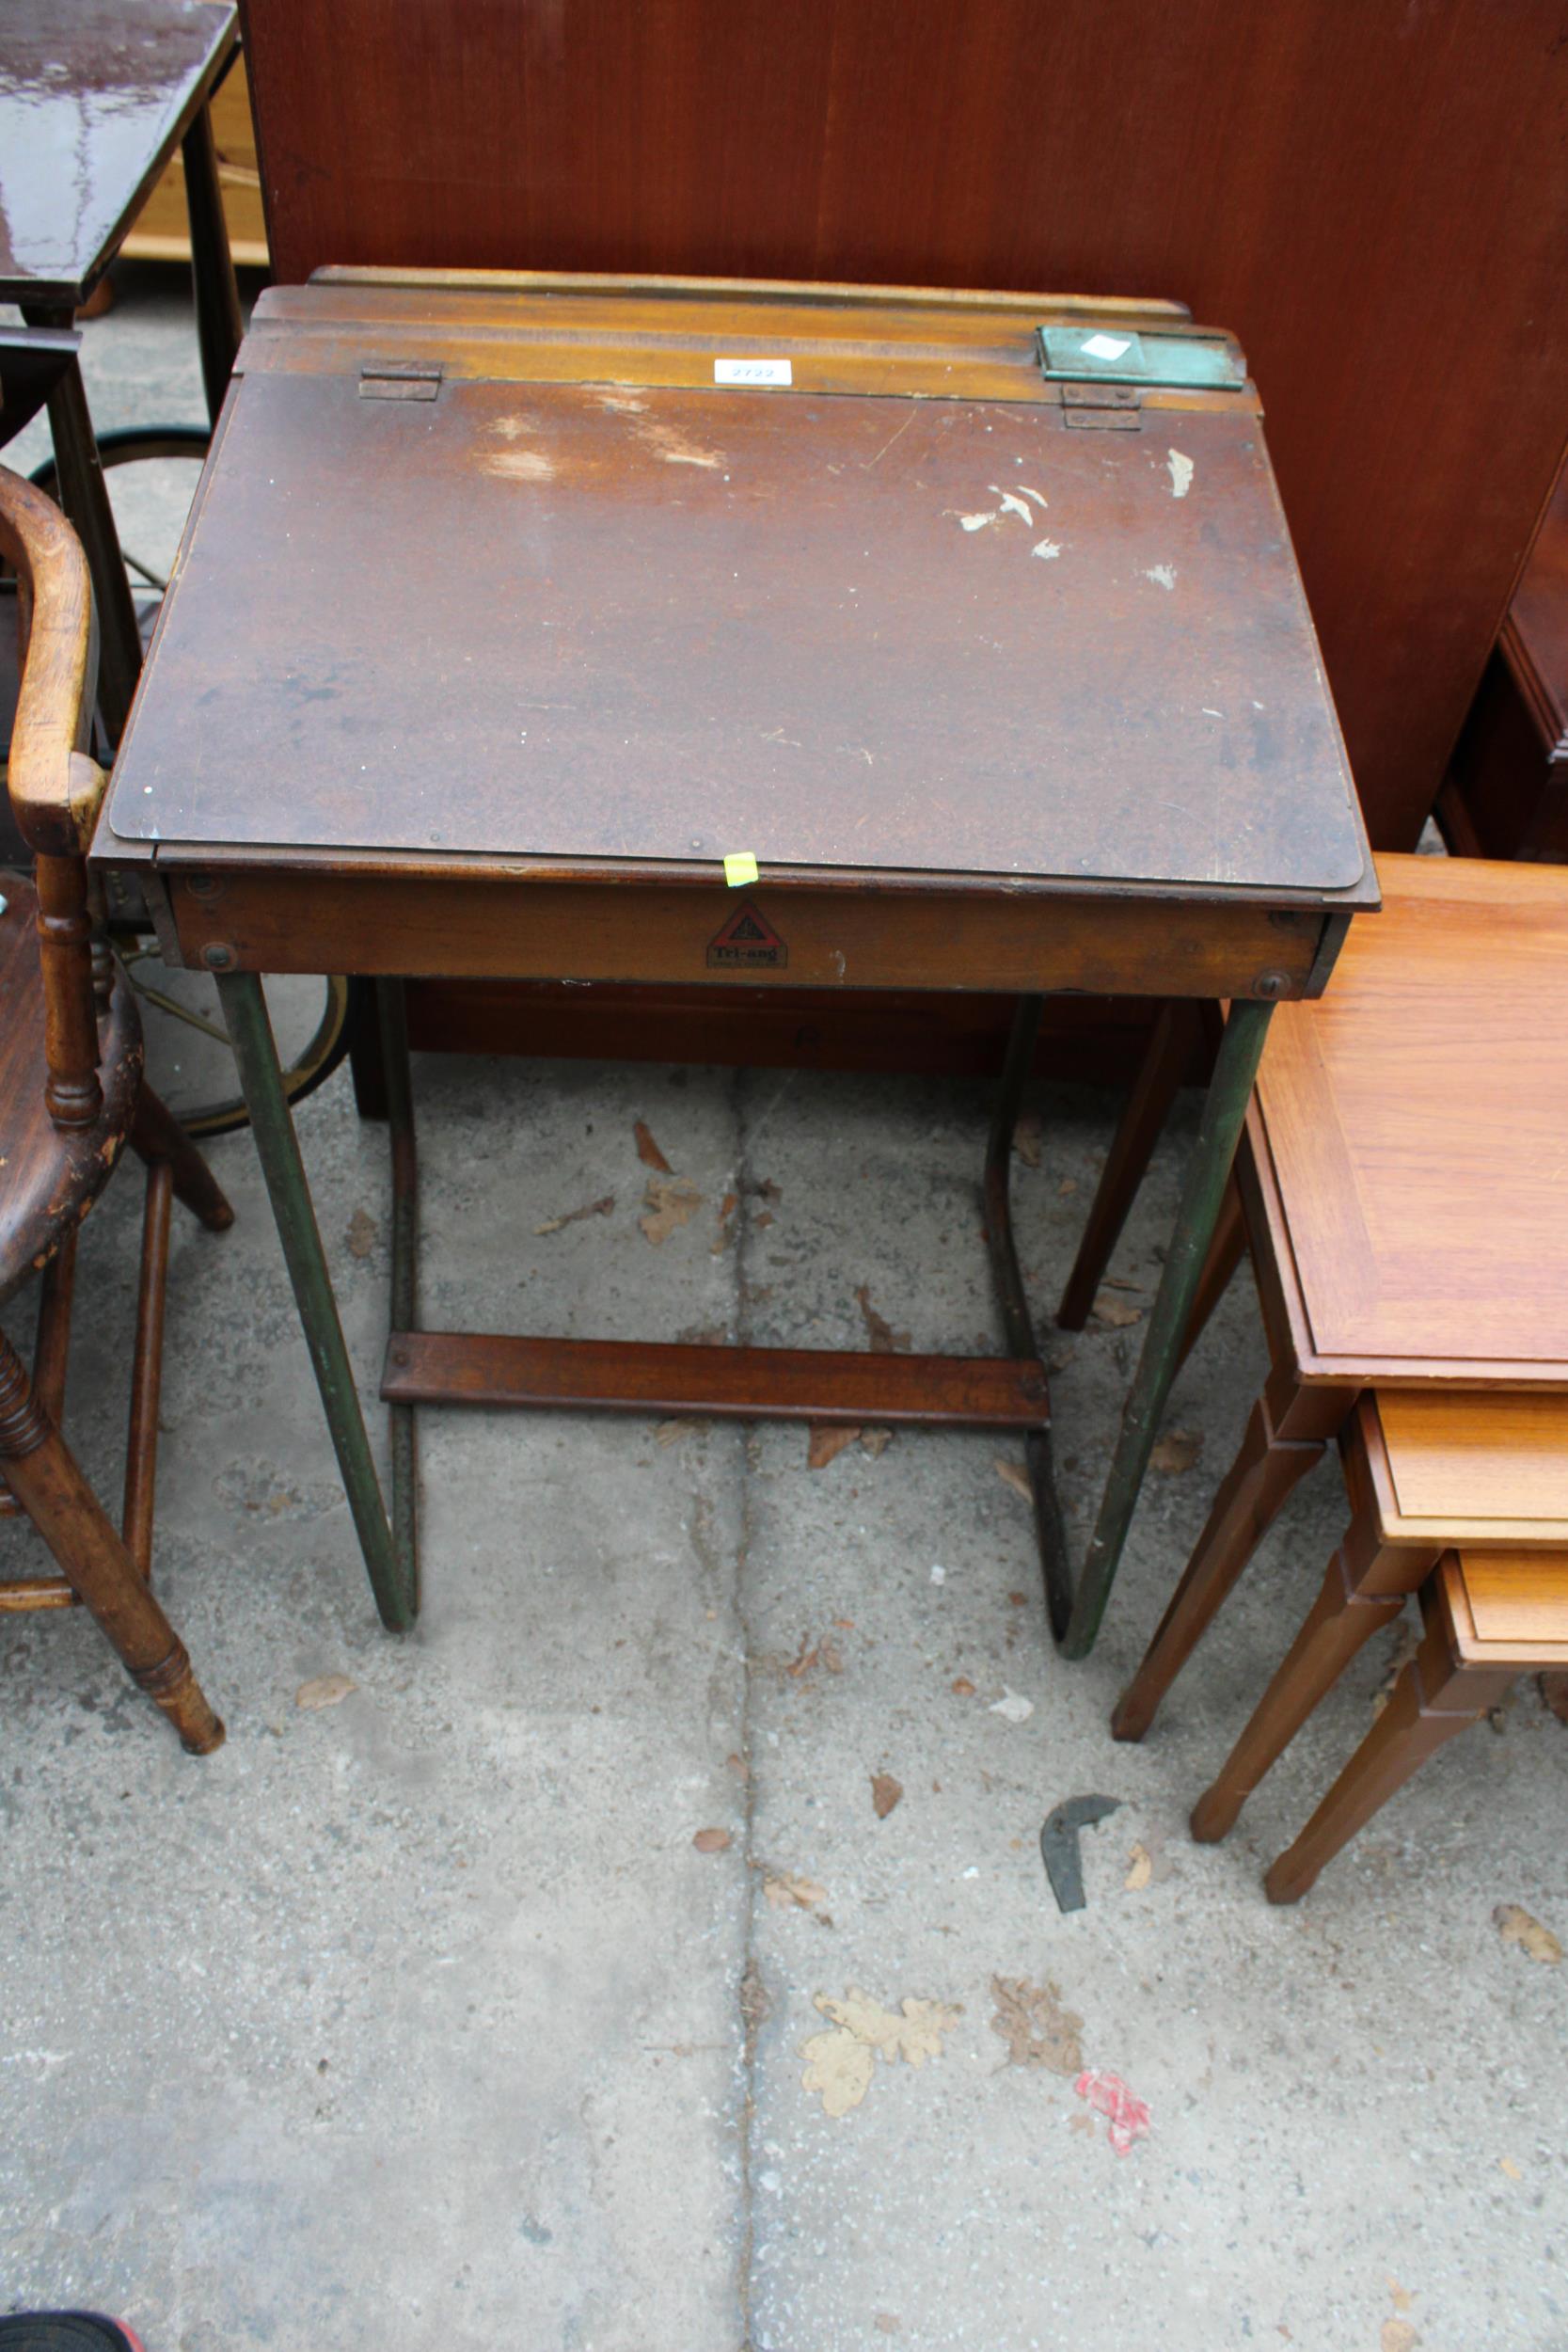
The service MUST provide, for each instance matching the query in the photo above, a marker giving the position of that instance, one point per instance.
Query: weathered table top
(497, 570)
(94, 96)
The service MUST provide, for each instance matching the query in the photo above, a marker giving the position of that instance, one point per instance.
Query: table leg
(1208, 1173)
(245, 1012)
(218, 325)
(84, 496)
(1013, 1299)
(393, 1022)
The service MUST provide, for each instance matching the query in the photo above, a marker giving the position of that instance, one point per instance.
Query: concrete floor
(419, 2019)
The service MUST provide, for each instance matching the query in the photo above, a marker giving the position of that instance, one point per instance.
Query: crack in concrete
(754, 2001)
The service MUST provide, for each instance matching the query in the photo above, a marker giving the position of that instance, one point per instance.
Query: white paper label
(1107, 346)
(757, 370)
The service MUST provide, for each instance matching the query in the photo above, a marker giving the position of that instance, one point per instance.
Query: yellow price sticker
(740, 867)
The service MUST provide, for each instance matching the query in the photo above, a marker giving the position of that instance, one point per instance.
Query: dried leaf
(669, 1433)
(1027, 1137)
(1115, 1311)
(881, 1334)
(1506, 2164)
(574, 1216)
(648, 1150)
(885, 1794)
(711, 1840)
(727, 1208)
(1013, 1706)
(362, 1232)
(787, 1890)
(1177, 1450)
(324, 1690)
(838, 2067)
(1401, 2296)
(1397, 2336)
(763, 1218)
(829, 1655)
(876, 1442)
(669, 1203)
(915, 2033)
(1038, 2031)
(1142, 1870)
(826, 1440)
(1066, 1187)
(1516, 1926)
(963, 1687)
(1013, 1474)
(885, 2323)
(1554, 1691)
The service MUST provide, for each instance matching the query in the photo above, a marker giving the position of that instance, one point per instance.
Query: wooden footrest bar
(749, 1383)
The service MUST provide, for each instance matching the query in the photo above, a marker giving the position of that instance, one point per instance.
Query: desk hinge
(400, 379)
(1102, 407)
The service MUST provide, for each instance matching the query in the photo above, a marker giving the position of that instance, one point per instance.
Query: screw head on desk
(1271, 986)
(216, 956)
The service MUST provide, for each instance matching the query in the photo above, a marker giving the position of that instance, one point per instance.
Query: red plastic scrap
(1127, 2117)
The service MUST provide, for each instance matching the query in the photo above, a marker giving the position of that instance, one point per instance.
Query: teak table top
(1478, 1467)
(1411, 1141)
(94, 97)
(497, 571)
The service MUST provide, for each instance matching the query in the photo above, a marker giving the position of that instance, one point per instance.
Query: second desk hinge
(400, 379)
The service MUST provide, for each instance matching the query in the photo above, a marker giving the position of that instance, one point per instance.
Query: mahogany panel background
(1372, 193)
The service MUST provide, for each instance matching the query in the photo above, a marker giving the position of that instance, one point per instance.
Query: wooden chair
(1487, 1620)
(72, 1094)
(1400, 1188)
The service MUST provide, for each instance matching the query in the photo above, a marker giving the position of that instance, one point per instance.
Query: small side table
(94, 99)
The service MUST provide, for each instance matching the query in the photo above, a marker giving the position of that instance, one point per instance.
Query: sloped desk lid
(500, 613)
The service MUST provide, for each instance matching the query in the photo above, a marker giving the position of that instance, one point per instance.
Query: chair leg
(147, 1369)
(1166, 1058)
(61, 1505)
(1250, 1499)
(1364, 1590)
(1435, 1699)
(157, 1134)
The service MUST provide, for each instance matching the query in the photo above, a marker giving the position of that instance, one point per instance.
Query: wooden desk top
(926, 611)
(1410, 1131)
(94, 96)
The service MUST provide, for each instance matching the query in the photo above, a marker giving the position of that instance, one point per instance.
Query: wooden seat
(1489, 1618)
(72, 1096)
(1398, 1187)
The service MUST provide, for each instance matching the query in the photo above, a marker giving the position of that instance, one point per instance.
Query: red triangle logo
(748, 942)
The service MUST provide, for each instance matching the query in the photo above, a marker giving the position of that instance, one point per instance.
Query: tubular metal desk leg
(1014, 1302)
(218, 299)
(393, 1024)
(1207, 1173)
(245, 1012)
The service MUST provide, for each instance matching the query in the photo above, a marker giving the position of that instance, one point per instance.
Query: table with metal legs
(93, 102)
(557, 592)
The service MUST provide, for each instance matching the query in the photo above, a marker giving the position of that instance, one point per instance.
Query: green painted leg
(1208, 1173)
(393, 1023)
(245, 1011)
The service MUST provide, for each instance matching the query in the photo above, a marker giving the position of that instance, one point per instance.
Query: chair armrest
(55, 801)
